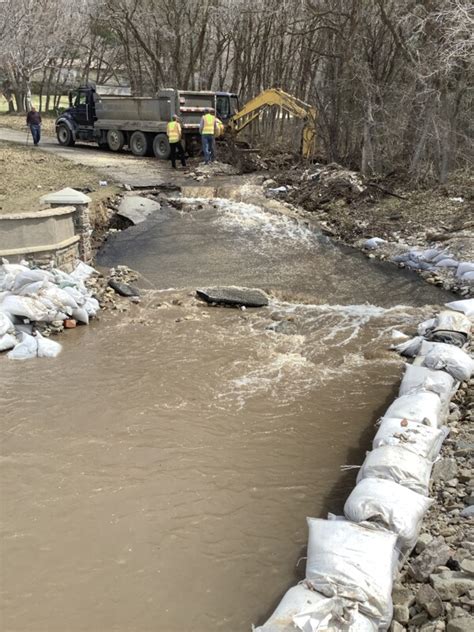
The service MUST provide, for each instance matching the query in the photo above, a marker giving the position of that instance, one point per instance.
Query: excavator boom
(287, 102)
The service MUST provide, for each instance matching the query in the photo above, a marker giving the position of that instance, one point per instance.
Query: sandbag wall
(353, 560)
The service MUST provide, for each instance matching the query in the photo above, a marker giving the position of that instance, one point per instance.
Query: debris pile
(204, 172)
(352, 561)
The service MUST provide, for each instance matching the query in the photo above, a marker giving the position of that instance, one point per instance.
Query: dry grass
(26, 174)
(18, 122)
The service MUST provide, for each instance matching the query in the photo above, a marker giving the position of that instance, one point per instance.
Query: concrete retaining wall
(60, 234)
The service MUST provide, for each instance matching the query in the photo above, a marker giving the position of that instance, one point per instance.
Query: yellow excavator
(288, 103)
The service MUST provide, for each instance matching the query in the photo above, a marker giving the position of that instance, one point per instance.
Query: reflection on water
(156, 476)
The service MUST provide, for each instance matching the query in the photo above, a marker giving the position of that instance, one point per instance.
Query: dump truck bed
(152, 113)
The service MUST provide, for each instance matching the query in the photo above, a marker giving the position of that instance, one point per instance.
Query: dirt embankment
(406, 221)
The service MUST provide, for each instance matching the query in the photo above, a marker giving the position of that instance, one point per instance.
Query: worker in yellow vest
(209, 127)
(173, 131)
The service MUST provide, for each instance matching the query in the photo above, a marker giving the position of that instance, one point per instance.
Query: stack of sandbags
(40, 296)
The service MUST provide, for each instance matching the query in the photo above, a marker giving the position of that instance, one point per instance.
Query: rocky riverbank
(435, 590)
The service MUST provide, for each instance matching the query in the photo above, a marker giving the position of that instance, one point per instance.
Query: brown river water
(156, 476)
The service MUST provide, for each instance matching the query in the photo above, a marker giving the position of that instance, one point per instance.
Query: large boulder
(234, 296)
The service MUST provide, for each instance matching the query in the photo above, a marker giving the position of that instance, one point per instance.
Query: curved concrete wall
(37, 232)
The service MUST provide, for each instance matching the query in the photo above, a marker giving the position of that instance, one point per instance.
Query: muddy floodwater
(157, 475)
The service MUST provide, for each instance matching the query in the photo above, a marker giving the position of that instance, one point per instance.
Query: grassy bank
(28, 173)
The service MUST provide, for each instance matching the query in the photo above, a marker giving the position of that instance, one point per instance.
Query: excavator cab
(227, 105)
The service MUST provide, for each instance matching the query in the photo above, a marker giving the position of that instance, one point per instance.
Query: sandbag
(438, 355)
(353, 562)
(82, 272)
(449, 320)
(390, 505)
(47, 348)
(91, 306)
(60, 298)
(410, 348)
(7, 341)
(465, 306)
(398, 464)
(27, 348)
(26, 306)
(6, 325)
(425, 441)
(34, 278)
(424, 405)
(81, 315)
(78, 296)
(420, 378)
(304, 609)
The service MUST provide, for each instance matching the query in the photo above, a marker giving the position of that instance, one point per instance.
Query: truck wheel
(139, 144)
(64, 135)
(115, 139)
(161, 146)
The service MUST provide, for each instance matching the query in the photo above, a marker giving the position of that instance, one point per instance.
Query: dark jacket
(33, 118)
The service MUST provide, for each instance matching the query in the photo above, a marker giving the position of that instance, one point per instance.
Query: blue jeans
(36, 133)
(208, 147)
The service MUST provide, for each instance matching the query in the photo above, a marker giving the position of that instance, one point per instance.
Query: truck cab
(77, 121)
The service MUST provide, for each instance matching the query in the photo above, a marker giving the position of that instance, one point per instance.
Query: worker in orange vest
(174, 133)
(209, 127)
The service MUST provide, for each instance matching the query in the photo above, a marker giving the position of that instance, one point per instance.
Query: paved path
(121, 167)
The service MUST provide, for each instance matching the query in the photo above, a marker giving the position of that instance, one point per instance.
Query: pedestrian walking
(209, 128)
(174, 133)
(33, 120)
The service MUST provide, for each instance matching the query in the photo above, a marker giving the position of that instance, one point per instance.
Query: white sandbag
(81, 315)
(417, 407)
(420, 378)
(31, 289)
(448, 320)
(27, 348)
(390, 505)
(467, 277)
(426, 326)
(26, 306)
(353, 562)
(29, 277)
(306, 610)
(82, 271)
(61, 299)
(91, 306)
(438, 355)
(78, 296)
(47, 348)
(6, 325)
(410, 348)
(425, 441)
(447, 263)
(398, 464)
(7, 341)
(466, 306)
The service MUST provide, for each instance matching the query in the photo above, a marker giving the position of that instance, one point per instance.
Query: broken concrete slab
(123, 289)
(137, 208)
(234, 296)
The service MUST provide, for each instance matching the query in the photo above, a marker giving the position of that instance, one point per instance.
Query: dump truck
(139, 123)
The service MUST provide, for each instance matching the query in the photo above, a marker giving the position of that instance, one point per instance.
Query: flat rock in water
(137, 208)
(236, 296)
(123, 288)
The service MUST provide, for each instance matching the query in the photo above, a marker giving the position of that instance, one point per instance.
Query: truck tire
(139, 144)
(64, 135)
(161, 146)
(115, 139)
